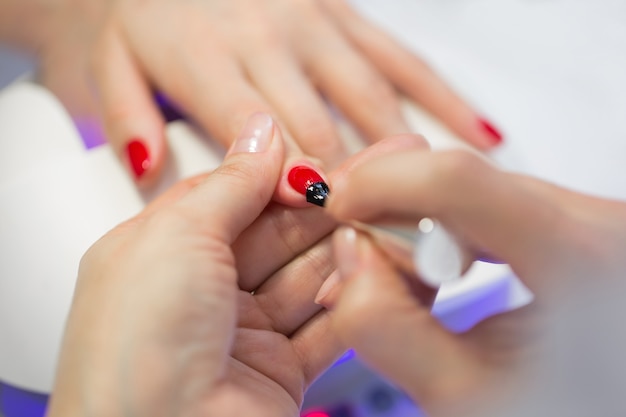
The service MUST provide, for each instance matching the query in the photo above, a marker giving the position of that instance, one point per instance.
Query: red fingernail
(138, 157)
(309, 183)
(494, 134)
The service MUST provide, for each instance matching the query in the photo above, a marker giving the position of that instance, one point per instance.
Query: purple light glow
(90, 131)
(15, 402)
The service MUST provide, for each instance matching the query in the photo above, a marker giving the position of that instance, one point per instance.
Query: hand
(203, 303)
(221, 60)
(557, 241)
(163, 321)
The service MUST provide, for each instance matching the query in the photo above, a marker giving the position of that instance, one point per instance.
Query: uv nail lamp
(57, 197)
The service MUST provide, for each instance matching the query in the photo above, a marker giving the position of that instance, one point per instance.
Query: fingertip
(391, 329)
(369, 287)
(476, 130)
(138, 138)
(389, 145)
(138, 157)
(341, 201)
(143, 158)
(493, 136)
(337, 207)
(260, 135)
(135, 128)
(297, 175)
(329, 291)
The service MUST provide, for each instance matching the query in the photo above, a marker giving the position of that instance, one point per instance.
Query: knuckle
(288, 228)
(118, 112)
(247, 176)
(295, 234)
(241, 172)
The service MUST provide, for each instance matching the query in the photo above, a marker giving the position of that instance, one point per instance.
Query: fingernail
(346, 251)
(138, 157)
(309, 183)
(494, 134)
(327, 289)
(256, 135)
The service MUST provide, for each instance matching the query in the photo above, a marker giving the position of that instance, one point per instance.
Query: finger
(362, 94)
(291, 233)
(206, 82)
(285, 192)
(414, 77)
(311, 351)
(239, 189)
(317, 346)
(287, 298)
(485, 207)
(331, 288)
(391, 331)
(294, 231)
(390, 145)
(407, 171)
(281, 81)
(134, 126)
(216, 93)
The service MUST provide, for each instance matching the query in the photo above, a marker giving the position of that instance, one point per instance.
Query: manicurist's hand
(218, 61)
(203, 303)
(557, 241)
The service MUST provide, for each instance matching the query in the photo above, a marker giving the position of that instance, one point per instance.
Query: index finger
(484, 207)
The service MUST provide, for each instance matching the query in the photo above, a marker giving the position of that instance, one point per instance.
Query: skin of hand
(557, 241)
(203, 303)
(158, 325)
(220, 60)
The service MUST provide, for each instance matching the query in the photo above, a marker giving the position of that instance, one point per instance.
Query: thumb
(377, 314)
(238, 190)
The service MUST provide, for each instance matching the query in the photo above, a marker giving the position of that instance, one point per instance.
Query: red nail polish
(138, 157)
(309, 183)
(494, 134)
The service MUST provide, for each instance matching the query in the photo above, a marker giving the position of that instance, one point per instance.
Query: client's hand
(159, 325)
(557, 241)
(220, 60)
